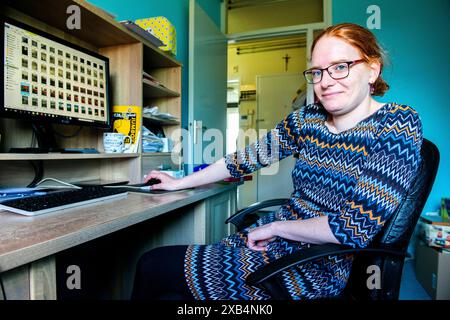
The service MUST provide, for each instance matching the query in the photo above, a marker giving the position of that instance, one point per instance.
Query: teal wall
(416, 35)
(177, 11)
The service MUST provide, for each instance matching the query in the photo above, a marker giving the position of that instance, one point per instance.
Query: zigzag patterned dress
(356, 178)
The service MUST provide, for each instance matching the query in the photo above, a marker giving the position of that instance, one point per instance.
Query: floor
(410, 288)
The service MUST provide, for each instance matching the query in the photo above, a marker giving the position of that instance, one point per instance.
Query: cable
(64, 184)
(38, 172)
(33, 139)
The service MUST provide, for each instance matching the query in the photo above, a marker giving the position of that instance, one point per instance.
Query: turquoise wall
(416, 35)
(177, 11)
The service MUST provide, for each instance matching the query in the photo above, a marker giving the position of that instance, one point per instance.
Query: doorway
(274, 102)
(265, 50)
(268, 72)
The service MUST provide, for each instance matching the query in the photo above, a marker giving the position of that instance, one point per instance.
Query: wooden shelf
(152, 90)
(130, 55)
(158, 57)
(97, 27)
(64, 156)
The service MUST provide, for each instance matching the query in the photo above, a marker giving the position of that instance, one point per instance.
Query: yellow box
(161, 28)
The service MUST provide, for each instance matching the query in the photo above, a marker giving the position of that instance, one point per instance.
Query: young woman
(357, 158)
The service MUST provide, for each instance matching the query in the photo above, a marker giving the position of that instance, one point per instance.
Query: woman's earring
(372, 88)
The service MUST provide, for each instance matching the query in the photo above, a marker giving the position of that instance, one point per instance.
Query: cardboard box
(433, 271)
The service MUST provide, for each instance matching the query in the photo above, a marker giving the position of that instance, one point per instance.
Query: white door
(207, 89)
(274, 102)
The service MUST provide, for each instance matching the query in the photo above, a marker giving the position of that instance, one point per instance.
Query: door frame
(193, 146)
(308, 28)
(281, 31)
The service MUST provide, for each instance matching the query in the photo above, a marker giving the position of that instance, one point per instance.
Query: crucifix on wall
(286, 61)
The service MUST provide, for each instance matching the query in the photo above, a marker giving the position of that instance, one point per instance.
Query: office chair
(387, 250)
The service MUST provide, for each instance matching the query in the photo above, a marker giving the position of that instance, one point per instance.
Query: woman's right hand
(214, 172)
(167, 182)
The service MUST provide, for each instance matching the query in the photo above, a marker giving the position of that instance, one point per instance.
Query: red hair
(365, 42)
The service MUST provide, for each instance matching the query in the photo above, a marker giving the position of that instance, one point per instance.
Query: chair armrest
(238, 219)
(309, 254)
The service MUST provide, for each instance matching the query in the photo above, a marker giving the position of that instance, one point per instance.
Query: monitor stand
(45, 136)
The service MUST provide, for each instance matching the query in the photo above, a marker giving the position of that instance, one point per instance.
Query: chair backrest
(396, 233)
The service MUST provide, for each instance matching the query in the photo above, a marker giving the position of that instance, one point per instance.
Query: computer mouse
(152, 181)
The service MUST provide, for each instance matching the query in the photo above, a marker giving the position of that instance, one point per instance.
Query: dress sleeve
(276, 145)
(388, 173)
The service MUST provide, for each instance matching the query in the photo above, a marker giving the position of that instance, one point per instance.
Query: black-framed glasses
(336, 71)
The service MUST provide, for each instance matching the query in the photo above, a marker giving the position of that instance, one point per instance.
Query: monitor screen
(49, 79)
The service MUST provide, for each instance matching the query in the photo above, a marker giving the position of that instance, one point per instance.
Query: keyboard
(58, 200)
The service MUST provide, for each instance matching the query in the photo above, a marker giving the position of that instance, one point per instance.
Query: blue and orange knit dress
(356, 178)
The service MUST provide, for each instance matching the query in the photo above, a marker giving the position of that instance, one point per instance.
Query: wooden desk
(28, 245)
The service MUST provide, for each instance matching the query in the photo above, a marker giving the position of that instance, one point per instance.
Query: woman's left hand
(258, 238)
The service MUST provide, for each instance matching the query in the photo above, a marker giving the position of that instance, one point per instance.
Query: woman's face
(341, 96)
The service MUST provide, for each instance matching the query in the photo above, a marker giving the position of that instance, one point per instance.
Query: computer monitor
(49, 80)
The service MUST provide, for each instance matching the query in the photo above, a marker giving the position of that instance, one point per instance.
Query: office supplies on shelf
(151, 142)
(154, 111)
(58, 200)
(167, 145)
(151, 120)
